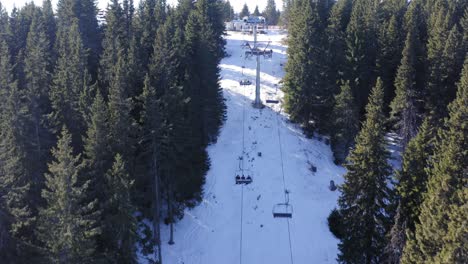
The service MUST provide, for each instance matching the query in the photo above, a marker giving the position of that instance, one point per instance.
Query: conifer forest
(122, 131)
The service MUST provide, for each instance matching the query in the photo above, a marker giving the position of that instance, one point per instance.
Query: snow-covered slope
(234, 223)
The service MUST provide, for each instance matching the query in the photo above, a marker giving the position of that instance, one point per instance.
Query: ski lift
(283, 210)
(245, 82)
(272, 101)
(243, 177)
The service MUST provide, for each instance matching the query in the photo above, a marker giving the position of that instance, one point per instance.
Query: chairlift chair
(282, 210)
(245, 82)
(243, 177)
(272, 101)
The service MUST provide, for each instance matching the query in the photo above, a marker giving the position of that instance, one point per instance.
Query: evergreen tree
(440, 236)
(345, 123)
(412, 181)
(256, 12)
(444, 58)
(120, 224)
(285, 15)
(50, 27)
(228, 11)
(390, 43)
(365, 196)
(37, 83)
(115, 40)
(84, 14)
(361, 39)
(406, 106)
(336, 43)
(69, 81)
(120, 106)
(270, 13)
(67, 223)
(4, 23)
(15, 203)
(307, 97)
(244, 12)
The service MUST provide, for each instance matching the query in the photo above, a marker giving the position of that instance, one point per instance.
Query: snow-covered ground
(234, 223)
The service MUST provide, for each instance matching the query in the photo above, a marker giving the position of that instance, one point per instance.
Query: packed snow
(234, 223)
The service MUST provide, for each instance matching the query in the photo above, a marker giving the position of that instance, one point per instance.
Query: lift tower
(256, 51)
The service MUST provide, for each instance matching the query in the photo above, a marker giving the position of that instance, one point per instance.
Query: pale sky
(237, 4)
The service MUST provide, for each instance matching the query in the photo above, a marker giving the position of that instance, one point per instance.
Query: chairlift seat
(243, 180)
(282, 210)
(245, 82)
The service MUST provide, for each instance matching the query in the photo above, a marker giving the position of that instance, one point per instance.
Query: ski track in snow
(210, 232)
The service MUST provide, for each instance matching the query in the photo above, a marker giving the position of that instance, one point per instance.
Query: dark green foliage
(245, 11)
(336, 43)
(345, 123)
(445, 56)
(36, 90)
(119, 223)
(334, 223)
(84, 14)
(227, 10)
(69, 80)
(390, 43)
(412, 178)
(361, 40)
(256, 12)
(307, 98)
(365, 196)
(15, 181)
(67, 223)
(441, 234)
(406, 107)
(285, 15)
(270, 13)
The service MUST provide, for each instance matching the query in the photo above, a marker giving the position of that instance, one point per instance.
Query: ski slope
(234, 223)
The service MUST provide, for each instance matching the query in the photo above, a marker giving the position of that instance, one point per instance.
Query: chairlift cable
(286, 195)
(242, 171)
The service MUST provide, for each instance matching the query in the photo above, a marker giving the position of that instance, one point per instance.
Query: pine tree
(256, 12)
(336, 43)
(245, 11)
(37, 83)
(361, 39)
(228, 11)
(270, 13)
(120, 224)
(50, 27)
(440, 236)
(15, 203)
(285, 15)
(307, 96)
(97, 152)
(345, 123)
(406, 106)
(83, 13)
(67, 223)
(445, 60)
(411, 186)
(365, 195)
(120, 106)
(390, 42)
(115, 40)
(68, 83)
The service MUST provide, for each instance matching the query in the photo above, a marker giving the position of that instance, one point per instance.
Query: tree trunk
(156, 224)
(171, 218)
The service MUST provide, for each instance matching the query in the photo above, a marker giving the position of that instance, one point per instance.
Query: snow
(211, 232)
